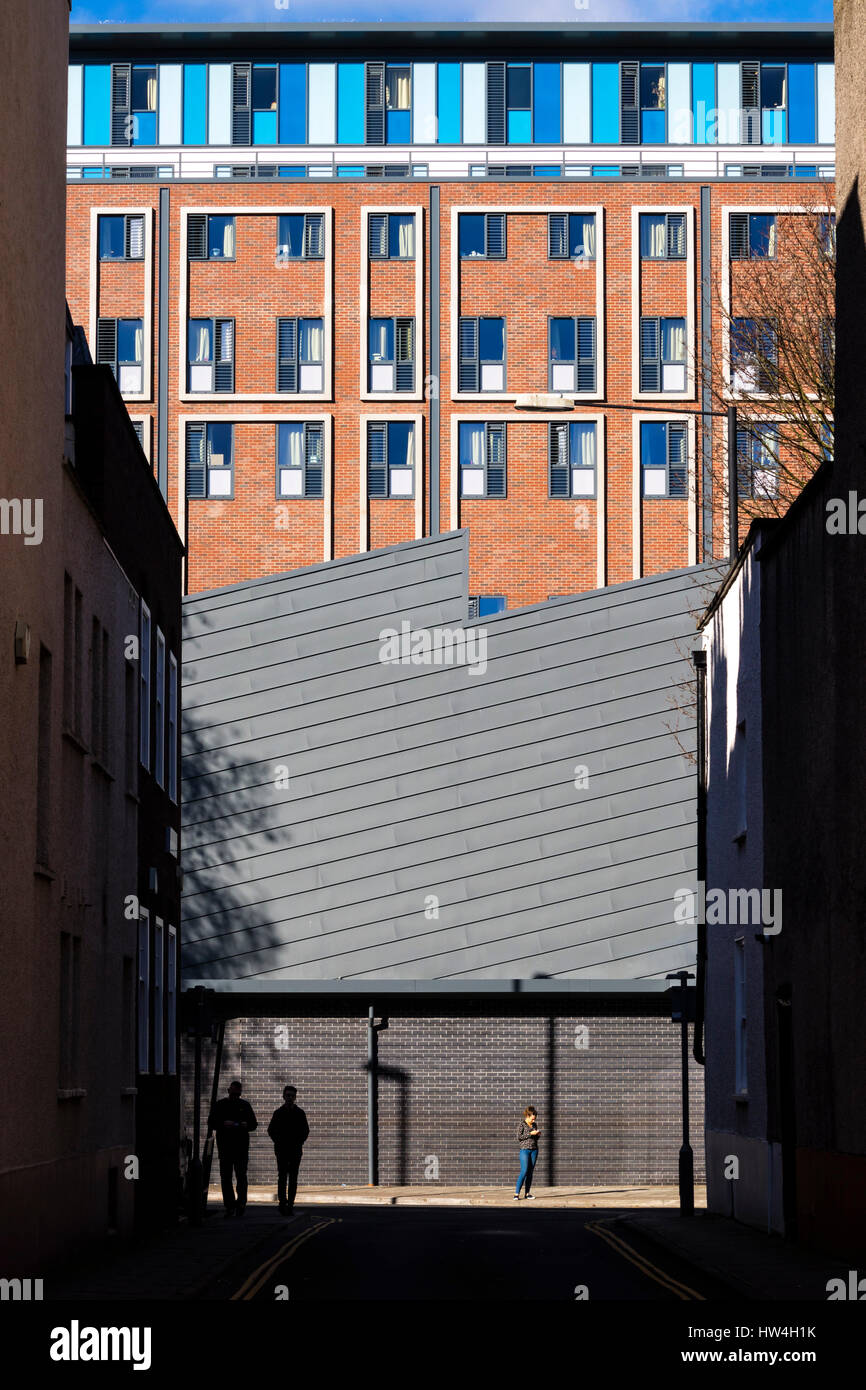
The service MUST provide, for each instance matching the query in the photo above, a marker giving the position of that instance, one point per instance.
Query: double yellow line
(616, 1242)
(259, 1277)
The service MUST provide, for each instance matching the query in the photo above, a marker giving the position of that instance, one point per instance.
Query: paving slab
(439, 1195)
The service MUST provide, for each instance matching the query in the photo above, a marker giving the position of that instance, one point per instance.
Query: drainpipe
(700, 663)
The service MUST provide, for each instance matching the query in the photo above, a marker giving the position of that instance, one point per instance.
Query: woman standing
(527, 1134)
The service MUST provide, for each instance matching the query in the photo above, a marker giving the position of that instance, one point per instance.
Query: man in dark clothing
(289, 1131)
(232, 1119)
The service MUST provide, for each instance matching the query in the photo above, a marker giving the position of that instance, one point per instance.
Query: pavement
(434, 1195)
(753, 1264)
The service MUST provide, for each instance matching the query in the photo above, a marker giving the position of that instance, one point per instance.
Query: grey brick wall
(609, 1112)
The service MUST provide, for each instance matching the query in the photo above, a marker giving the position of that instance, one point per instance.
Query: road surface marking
(640, 1262)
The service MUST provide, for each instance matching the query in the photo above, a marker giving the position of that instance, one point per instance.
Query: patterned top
(527, 1140)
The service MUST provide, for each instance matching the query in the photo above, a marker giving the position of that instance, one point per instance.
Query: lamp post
(681, 1008)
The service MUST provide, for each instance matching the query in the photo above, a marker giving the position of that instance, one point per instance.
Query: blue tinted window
(562, 340)
(219, 438)
(216, 235)
(399, 435)
(129, 340)
(491, 339)
(290, 235)
(490, 603)
(381, 340)
(144, 128)
(518, 87)
(471, 444)
(472, 234)
(111, 239)
(653, 445)
(264, 88)
(290, 445)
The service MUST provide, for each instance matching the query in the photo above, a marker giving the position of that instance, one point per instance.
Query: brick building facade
(350, 305)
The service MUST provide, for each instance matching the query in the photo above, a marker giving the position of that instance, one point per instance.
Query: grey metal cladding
(431, 826)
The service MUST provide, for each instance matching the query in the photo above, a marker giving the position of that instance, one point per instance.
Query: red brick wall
(525, 546)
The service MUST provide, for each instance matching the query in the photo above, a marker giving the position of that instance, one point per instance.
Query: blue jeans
(528, 1159)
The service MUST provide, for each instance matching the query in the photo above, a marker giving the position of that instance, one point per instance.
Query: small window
(664, 462)
(572, 354)
(481, 354)
(571, 236)
(391, 459)
(210, 237)
(652, 87)
(482, 235)
(518, 103)
(662, 236)
(753, 236)
(572, 448)
(392, 236)
(264, 88)
(209, 460)
(144, 687)
(143, 990)
(773, 84)
(483, 605)
(144, 106)
(158, 1020)
(392, 354)
(300, 236)
(172, 726)
(159, 712)
(121, 238)
(663, 354)
(398, 89)
(171, 1002)
(482, 459)
(758, 462)
(300, 460)
(211, 355)
(301, 355)
(827, 234)
(754, 356)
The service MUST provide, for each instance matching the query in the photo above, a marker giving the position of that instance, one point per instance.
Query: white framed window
(172, 726)
(171, 1003)
(159, 711)
(157, 995)
(144, 687)
(143, 990)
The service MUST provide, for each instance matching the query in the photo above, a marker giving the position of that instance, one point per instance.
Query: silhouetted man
(289, 1131)
(232, 1119)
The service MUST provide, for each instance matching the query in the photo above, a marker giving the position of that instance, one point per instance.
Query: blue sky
(369, 11)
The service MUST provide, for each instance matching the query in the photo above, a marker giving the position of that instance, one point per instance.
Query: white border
(286, 397)
(541, 210)
(691, 418)
(539, 418)
(364, 300)
(636, 286)
(419, 479)
(109, 210)
(234, 418)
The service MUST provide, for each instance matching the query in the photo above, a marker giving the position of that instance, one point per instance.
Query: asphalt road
(330, 1254)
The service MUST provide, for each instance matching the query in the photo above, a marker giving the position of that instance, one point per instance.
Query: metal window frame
(305, 496)
(412, 468)
(577, 359)
(667, 217)
(486, 255)
(305, 255)
(566, 255)
(571, 496)
(667, 495)
(485, 495)
(224, 496)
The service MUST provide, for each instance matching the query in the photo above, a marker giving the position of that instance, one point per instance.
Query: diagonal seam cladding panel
(349, 818)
